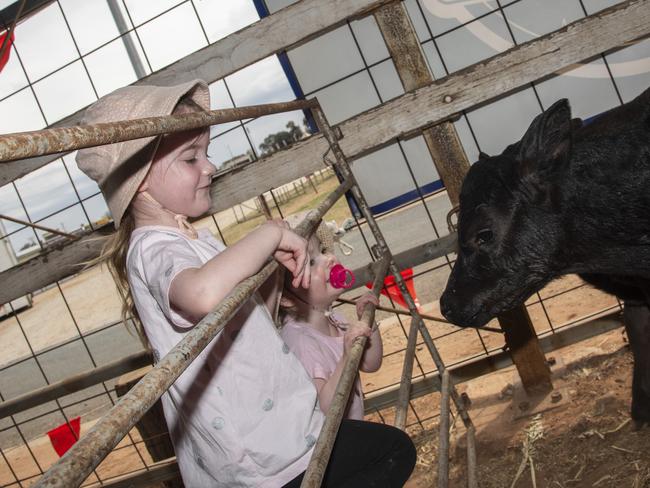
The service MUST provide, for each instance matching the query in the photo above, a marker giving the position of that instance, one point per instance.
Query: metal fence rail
(323, 447)
(53, 141)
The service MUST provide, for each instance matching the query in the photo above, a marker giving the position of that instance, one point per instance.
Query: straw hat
(120, 168)
(323, 231)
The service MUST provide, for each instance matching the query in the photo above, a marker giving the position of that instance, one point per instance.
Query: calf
(567, 198)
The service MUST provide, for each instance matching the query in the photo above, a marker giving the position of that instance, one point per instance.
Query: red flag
(391, 289)
(7, 48)
(64, 436)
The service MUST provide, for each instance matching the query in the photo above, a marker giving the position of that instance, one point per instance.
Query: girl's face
(320, 292)
(180, 174)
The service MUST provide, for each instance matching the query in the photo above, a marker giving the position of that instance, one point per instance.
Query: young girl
(244, 412)
(319, 337)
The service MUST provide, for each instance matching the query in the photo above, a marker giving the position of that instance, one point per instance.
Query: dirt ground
(587, 440)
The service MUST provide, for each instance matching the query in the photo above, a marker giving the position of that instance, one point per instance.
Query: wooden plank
(442, 140)
(58, 264)
(55, 264)
(254, 179)
(287, 28)
(477, 84)
(74, 383)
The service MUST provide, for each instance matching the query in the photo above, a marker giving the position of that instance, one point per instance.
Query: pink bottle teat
(341, 277)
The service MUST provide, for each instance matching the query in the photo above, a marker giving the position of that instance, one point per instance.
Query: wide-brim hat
(323, 232)
(120, 168)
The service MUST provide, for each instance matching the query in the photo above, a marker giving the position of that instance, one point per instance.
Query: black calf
(566, 198)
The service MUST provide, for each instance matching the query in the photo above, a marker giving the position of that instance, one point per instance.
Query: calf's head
(509, 228)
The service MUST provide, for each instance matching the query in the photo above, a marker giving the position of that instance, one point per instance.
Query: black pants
(367, 454)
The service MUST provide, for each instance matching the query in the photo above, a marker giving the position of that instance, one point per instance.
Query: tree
(280, 140)
(294, 130)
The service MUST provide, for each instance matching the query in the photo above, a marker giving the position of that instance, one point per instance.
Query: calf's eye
(483, 237)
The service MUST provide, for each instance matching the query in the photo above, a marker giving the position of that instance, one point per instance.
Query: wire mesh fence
(73, 325)
(80, 319)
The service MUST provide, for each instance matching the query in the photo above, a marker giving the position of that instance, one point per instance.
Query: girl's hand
(293, 254)
(364, 300)
(355, 329)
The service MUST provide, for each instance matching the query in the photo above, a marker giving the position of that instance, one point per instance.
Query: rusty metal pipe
(61, 139)
(39, 227)
(323, 448)
(75, 466)
(428, 340)
(423, 315)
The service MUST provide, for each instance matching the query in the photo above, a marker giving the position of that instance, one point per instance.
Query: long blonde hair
(116, 247)
(114, 253)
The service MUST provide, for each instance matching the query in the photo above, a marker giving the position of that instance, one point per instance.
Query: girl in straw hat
(244, 412)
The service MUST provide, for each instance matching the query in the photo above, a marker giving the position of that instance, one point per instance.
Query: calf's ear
(546, 144)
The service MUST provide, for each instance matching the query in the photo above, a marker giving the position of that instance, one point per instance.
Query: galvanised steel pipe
(61, 139)
(443, 442)
(75, 466)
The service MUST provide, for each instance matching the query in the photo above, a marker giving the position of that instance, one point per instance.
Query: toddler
(319, 337)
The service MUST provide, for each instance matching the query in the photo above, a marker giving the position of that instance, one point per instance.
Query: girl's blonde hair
(116, 247)
(114, 254)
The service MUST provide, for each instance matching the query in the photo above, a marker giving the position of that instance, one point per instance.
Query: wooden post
(442, 140)
(264, 207)
(525, 350)
(311, 182)
(452, 165)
